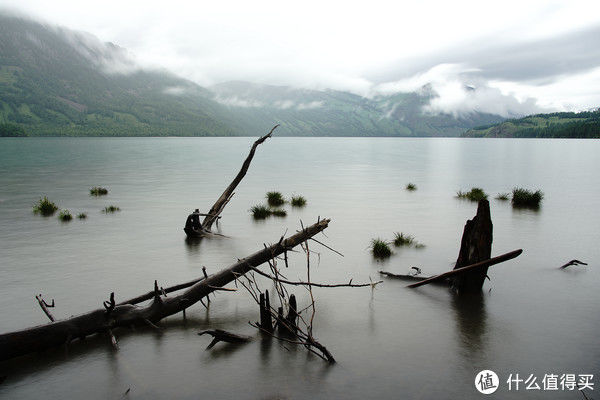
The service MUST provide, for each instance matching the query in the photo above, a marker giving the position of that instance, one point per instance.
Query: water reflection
(471, 322)
(193, 244)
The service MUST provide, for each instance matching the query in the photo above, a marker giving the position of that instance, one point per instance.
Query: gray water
(390, 342)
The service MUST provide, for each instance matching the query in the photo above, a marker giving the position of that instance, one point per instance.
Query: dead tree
(215, 211)
(294, 327)
(114, 315)
(475, 246)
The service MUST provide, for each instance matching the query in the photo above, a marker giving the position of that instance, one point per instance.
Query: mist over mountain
(55, 81)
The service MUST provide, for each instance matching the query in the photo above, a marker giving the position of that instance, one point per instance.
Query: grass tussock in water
(82, 215)
(380, 248)
(279, 213)
(44, 207)
(275, 199)
(503, 196)
(298, 201)
(411, 187)
(526, 198)
(98, 191)
(111, 209)
(65, 216)
(475, 194)
(260, 211)
(400, 239)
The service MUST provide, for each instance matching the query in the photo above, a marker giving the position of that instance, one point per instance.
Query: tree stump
(475, 246)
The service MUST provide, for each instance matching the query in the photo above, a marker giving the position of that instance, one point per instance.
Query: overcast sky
(521, 56)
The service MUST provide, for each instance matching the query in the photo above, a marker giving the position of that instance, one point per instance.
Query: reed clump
(44, 207)
(65, 216)
(503, 196)
(82, 215)
(275, 199)
(380, 248)
(111, 209)
(98, 191)
(260, 211)
(475, 194)
(400, 239)
(298, 201)
(411, 187)
(526, 198)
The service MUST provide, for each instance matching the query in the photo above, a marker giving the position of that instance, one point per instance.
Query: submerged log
(220, 335)
(475, 246)
(114, 315)
(215, 211)
(469, 268)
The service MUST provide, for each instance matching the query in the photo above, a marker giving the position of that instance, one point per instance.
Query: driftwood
(220, 335)
(215, 211)
(114, 315)
(572, 262)
(475, 246)
(45, 307)
(469, 268)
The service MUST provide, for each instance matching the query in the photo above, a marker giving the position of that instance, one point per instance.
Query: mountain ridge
(54, 81)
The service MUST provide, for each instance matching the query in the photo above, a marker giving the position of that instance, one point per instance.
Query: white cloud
(235, 101)
(310, 105)
(329, 44)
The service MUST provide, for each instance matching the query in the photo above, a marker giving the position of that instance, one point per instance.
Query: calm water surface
(390, 342)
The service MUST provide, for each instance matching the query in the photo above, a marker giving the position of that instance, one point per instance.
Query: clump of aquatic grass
(82, 215)
(45, 207)
(298, 201)
(65, 216)
(278, 213)
(380, 248)
(400, 239)
(475, 194)
(526, 198)
(411, 187)
(111, 209)
(275, 199)
(98, 191)
(503, 196)
(260, 211)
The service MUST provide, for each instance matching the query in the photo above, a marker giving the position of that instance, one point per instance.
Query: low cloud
(235, 101)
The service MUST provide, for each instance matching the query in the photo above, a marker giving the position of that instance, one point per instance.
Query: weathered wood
(266, 321)
(406, 277)
(14, 344)
(222, 201)
(45, 307)
(475, 246)
(469, 268)
(572, 262)
(220, 335)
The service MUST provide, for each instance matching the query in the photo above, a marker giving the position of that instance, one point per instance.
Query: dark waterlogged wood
(220, 335)
(406, 277)
(475, 246)
(112, 315)
(266, 320)
(469, 268)
(215, 211)
(572, 262)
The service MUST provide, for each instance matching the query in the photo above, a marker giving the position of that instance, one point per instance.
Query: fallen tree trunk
(214, 214)
(469, 268)
(114, 315)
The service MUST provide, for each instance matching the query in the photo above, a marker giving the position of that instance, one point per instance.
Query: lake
(390, 342)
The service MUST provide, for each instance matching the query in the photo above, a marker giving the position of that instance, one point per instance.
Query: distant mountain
(304, 112)
(59, 82)
(55, 81)
(555, 125)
